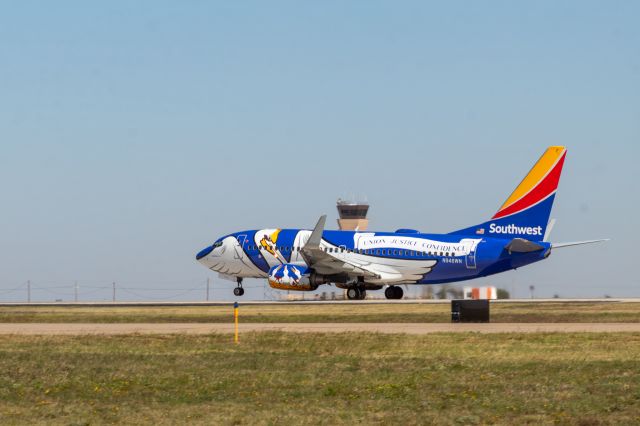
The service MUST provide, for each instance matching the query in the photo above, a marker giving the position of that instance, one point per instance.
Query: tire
(389, 292)
(363, 294)
(353, 293)
(398, 292)
(238, 291)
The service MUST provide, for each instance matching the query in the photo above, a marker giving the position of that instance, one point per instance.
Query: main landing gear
(356, 293)
(238, 291)
(393, 292)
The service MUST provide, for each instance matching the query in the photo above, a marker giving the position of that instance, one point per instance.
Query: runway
(406, 328)
(304, 302)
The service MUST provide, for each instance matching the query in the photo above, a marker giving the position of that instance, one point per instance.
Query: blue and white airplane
(294, 259)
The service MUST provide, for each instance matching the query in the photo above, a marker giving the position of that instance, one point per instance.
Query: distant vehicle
(294, 259)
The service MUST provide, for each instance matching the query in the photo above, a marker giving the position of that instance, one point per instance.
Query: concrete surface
(307, 302)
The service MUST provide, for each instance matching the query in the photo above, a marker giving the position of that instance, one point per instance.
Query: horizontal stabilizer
(577, 243)
(520, 245)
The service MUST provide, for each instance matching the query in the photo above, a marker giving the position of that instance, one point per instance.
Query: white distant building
(488, 292)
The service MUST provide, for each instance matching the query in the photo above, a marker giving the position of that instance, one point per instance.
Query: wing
(324, 263)
(316, 256)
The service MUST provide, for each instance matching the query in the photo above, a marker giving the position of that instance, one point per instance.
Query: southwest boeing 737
(293, 259)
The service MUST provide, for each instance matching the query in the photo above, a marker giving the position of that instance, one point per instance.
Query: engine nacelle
(290, 277)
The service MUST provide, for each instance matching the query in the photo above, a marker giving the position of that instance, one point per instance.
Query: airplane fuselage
(395, 258)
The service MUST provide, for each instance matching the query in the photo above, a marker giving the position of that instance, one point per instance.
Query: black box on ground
(470, 310)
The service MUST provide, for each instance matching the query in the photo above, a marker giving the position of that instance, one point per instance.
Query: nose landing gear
(238, 291)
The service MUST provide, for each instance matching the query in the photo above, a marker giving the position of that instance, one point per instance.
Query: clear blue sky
(135, 133)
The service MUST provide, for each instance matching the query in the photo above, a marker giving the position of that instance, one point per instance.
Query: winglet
(316, 235)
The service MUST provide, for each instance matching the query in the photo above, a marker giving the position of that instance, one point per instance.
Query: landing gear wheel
(353, 293)
(393, 292)
(238, 291)
(389, 292)
(356, 293)
(399, 293)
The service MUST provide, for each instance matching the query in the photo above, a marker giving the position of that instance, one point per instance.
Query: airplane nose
(204, 252)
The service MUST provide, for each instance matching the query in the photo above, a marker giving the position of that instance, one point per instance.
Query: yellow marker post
(235, 317)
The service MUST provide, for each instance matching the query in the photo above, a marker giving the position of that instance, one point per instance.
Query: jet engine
(290, 277)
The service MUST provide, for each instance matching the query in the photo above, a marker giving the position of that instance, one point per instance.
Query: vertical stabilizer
(525, 213)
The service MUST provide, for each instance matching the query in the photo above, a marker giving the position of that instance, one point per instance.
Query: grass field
(287, 378)
(500, 312)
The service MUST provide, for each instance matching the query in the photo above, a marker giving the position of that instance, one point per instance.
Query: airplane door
(240, 250)
(470, 258)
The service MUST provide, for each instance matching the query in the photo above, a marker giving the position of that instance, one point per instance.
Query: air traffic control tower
(352, 215)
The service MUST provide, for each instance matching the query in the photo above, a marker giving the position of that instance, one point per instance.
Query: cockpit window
(218, 244)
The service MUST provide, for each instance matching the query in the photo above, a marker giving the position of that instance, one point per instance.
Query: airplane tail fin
(526, 212)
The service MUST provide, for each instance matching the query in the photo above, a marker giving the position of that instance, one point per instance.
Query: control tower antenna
(352, 215)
